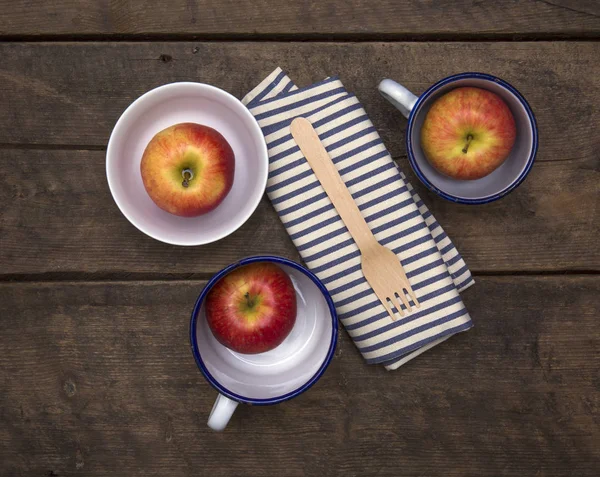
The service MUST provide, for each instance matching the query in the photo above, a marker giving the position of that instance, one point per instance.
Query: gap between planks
(305, 37)
(83, 277)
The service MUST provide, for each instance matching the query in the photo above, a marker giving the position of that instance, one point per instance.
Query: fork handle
(308, 140)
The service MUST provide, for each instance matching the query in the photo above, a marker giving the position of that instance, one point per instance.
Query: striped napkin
(394, 212)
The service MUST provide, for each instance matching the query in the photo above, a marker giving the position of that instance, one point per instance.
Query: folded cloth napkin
(395, 213)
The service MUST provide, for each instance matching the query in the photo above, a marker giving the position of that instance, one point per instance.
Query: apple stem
(469, 139)
(187, 177)
(249, 301)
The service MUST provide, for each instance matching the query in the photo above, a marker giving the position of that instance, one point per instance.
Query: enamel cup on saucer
(277, 375)
(491, 187)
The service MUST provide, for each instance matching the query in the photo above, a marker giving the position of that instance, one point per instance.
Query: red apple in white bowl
(188, 169)
(253, 308)
(468, 133)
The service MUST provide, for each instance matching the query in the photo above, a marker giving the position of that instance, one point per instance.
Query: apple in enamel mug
(188, 169)
(252, 309)
(468, 133)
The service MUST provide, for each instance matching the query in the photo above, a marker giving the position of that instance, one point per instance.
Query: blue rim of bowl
(194, 320)
(513, 185)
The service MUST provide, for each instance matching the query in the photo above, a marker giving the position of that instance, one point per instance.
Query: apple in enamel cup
(253, 308)
(188, 169)
(468, 133)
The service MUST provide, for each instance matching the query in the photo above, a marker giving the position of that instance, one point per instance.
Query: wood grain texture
(80, 89)
(98, 380)
(57, 217)
(299, 18)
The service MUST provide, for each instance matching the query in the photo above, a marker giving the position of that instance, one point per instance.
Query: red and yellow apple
(252, 309)
(188, 169)
(468, 133)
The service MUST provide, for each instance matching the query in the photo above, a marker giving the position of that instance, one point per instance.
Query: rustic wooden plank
(269, 17)
(80, 90)
(57, 217)
(97, 379)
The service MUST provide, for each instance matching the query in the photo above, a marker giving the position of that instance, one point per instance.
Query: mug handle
(221, 413)
(398, 95)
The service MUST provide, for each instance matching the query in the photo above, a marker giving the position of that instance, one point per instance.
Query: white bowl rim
(128, 111)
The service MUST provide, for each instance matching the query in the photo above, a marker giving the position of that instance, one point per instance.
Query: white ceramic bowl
(177, 103)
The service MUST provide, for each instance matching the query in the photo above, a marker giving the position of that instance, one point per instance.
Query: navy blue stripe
(316, 124)
(342, 127)
(267, 90)
(324, 238)
(287, 167)
(368, 190)
(302, 90)
(459, 272)
(310, 215)
(375, 201)
(408, 231)
(287, 89)
(300, 205)
(352, 298)
(399, 220)
(368, 291)
(271, 128)
(336, 261)
(302, 102)
(375, 303)
(336, 115)
(464, 282)
(425, 268)
(364, 162)
(300, 161)
(327, 251)
(431, 280)
(375, 216)
(288, 181)
(302, 174)
(355, 253)
(408, 349)
(433, 226)
(404, 233)
(337, 247)
(348, 286)
(278, 141)
(453, 260)
(353, 137)
(341, 274)
(440, 237)
(312, 185)
(393, 208)
(357, 150)
(283, 154)
(415, 331)
(447, 248)
(295, 193)
(373, 319)
(369, 175)
(420, 255)
(407, 246)
(401, 205)
(312, 228)
(353, 269)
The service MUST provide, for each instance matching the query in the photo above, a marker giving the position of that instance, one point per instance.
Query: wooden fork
(380, 265)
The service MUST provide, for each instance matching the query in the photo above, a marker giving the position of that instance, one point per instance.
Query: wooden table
(96, 375)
